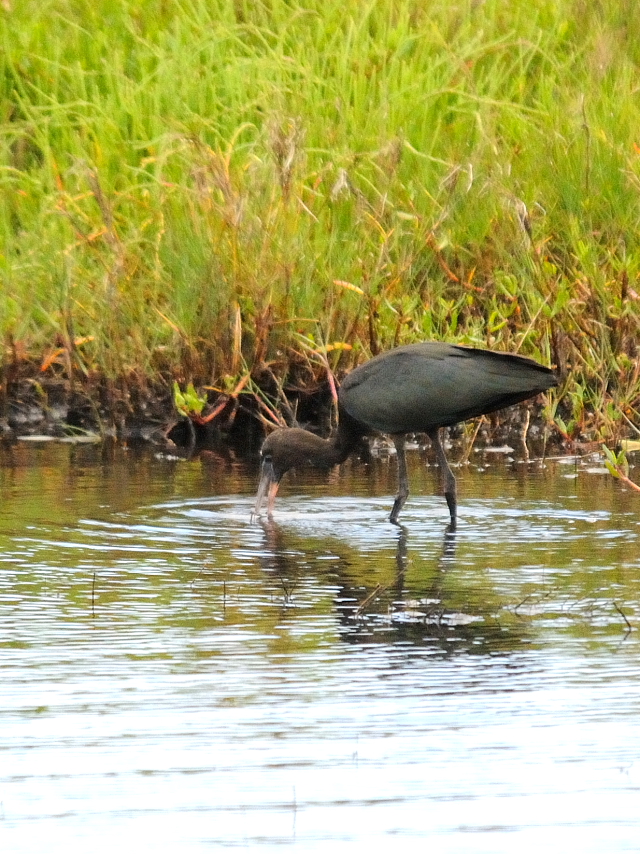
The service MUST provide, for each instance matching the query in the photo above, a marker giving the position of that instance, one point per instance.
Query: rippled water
(175, 674)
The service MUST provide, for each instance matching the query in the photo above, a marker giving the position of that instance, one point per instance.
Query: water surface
(175, 673)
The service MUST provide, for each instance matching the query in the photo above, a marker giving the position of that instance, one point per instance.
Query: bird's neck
(347, 437)
(325, 453)
(303, 447)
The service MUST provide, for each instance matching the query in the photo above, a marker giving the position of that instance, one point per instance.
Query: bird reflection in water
(291, 560)
(425, 604)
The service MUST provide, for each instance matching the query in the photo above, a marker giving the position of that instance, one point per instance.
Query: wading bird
(419, 388)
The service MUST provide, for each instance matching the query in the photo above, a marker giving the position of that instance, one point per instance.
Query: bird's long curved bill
(267, 488)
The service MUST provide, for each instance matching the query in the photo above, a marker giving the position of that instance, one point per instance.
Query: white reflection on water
(370, 744)
(178, 678)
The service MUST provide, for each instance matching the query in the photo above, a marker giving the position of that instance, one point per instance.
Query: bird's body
(418, 388)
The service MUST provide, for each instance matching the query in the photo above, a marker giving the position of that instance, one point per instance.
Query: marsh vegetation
(253, 197)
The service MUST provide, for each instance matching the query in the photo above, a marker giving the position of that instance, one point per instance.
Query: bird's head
(270, 477)
(283, 450)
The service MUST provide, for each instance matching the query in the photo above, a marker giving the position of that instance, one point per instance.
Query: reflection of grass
(209, 191)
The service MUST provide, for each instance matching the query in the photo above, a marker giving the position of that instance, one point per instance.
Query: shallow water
(174, 673)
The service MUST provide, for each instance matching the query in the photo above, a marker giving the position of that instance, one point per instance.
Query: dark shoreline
(144, 414)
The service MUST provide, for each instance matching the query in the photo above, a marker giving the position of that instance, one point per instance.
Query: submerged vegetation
(254, 196)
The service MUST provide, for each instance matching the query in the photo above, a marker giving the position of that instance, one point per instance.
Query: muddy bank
(141, 410)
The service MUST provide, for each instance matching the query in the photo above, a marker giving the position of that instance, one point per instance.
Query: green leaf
(613, 471)
(178, 398)
(188, 402)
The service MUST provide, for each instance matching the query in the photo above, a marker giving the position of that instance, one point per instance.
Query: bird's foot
(453, 509)
(398, 504)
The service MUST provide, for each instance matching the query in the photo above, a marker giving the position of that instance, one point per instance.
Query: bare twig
(373, 595)
(205, 419)
(622, 614)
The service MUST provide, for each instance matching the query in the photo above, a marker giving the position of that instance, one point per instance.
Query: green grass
(192, 190)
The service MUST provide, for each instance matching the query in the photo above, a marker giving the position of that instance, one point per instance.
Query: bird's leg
(403, 480)
(448, 480)
(271, 500)
(267, 488)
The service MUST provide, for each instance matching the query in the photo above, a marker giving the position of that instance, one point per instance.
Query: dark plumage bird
(414, 389)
